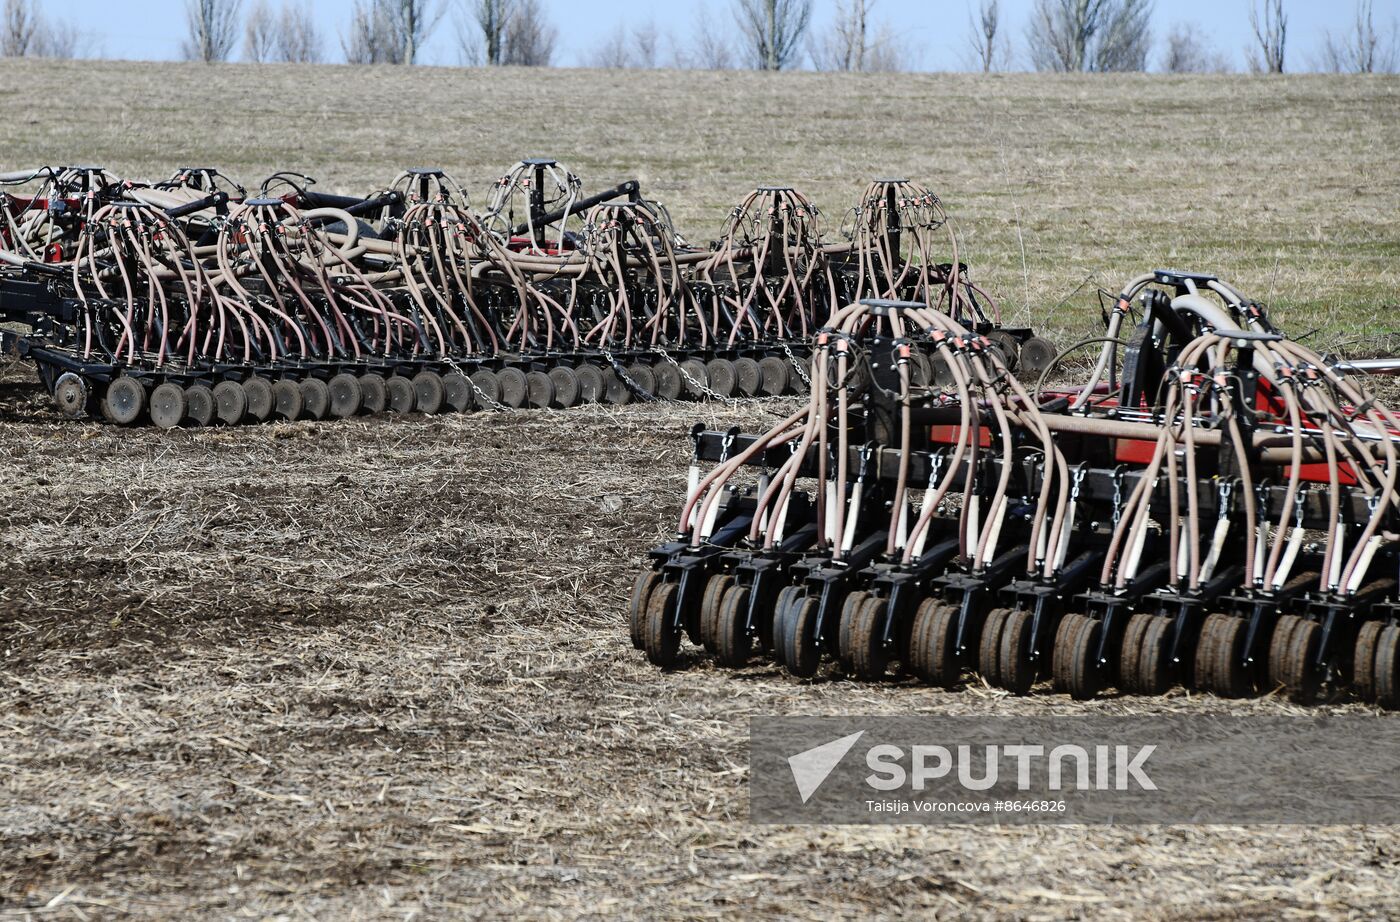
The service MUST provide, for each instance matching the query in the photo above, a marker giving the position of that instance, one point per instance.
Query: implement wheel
(346, 395)
(698, 378)
(71, 394)
(168, 405)
(1018, 672)
(722, 376)
(566, 387)
(615, 392)
(539, 390)
(124, 401)
(199, 405)
(661, 638)
(733, 645)
(715, 588)
(1154, 667)
(641, 375)
(515, 390)
(374, 392)
(669, 385)
(428, 392)
(850, 608)
(490, 385)
(1388, 668)
(637, 608)
(457, 393)
(286, 399)
(1299, 679)
(261, 400)
(590, 383)
(1363, 664)
(747, 376)
(933, 652)
(869, 658)
(1128, 679)
(775, 376)
(401, 396)
(801, 656)
(230, 402)
(315, 398)
(989, 647)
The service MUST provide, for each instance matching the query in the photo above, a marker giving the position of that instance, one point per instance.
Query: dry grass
(379, 670)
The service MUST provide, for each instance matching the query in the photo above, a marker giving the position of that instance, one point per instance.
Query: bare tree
(1188, 51)
(390, 31)
(709, 49)
(22, 26)
(482, 27)
(413, 22)
(529, 38)
(773, 30)
(1363, 50)
(370, 39)
(988, 42)
(259, 32)
(1090, 35)
(853, 43)
(620, 49)
(213, 29)
(59, 40)
(298, 39)
(1270, 33)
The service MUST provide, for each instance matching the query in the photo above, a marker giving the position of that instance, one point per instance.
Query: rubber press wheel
(669, 383)
(486, 381)
(515, 390)
(261, 401)
(661, 638)
(168, 405)
(775, 376)
(457, 393)
(933, 655)
(539, 390)
(801, 655)
(1128, 679)
(374, 393)
(715, 588)
(696, 378)
(637, 607)
(615, 392)
(642, 376)
(1154, 666)
(230, 402)
(733, 645)
(1018, 671)
(850, 608)
(748, 377)
(401, 396)
(1085, 677)
(199, 405)
(590, 383)
(428, 392)
(124, 401)
(315, 398)
(722, 376)
(989, 647)
(346, 395)
(869, 658)
(1363, 664)
(1388, 668)
(566, 387)
(286, 399)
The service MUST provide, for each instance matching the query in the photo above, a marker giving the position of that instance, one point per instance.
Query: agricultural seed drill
(1215, 506)
(192, 301)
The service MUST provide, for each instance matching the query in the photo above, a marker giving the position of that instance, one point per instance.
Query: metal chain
(481, 396)
(698, 386)
(801, 372)
(632, 386)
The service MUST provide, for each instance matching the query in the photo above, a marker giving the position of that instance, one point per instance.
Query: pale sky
(934, 31)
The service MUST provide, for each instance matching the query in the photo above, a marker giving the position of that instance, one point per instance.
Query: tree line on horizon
(1058, 36)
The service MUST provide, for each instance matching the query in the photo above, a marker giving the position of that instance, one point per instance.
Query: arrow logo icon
(811, 768)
